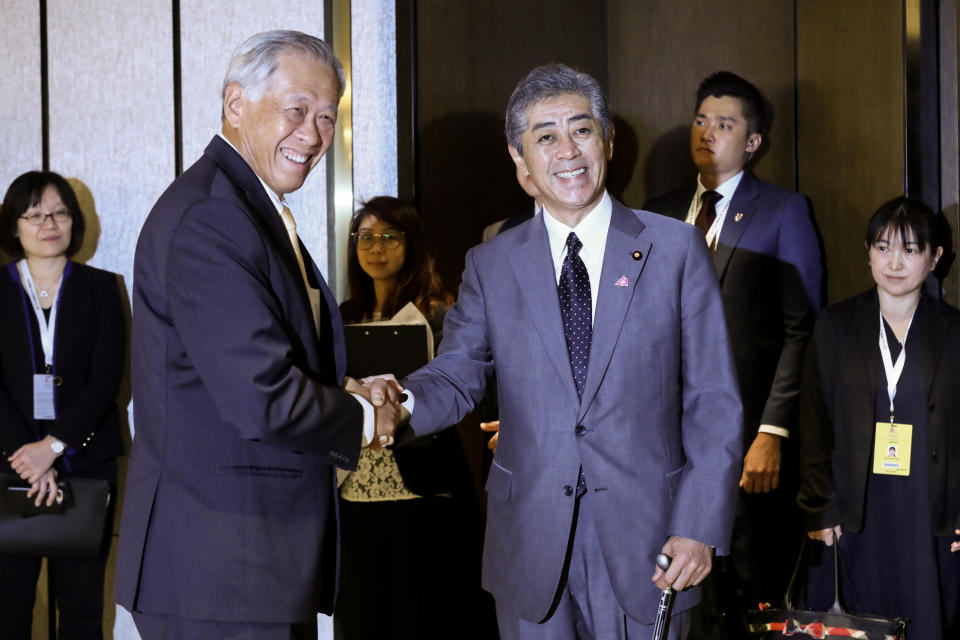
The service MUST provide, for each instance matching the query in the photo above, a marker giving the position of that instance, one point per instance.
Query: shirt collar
(591, 230)
(726, 190)
(277, 201)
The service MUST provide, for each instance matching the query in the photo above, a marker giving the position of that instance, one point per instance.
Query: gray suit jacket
(657, 431)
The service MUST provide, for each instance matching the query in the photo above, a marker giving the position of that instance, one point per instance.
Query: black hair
(26, 191)
(907, 216)
(756, 110)
(418, 280)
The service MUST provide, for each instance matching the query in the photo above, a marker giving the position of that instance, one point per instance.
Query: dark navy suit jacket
(239, 415)
(89, 355)
(770, 269)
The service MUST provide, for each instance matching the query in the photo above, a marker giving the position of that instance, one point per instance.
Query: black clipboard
(373, 349)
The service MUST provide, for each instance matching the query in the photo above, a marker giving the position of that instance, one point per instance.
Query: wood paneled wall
(470, 57)
(659, 53)
(850, 78)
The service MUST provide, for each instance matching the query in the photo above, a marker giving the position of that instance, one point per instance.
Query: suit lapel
(618, 282)
(332, 316)
(866, 329)
(261, 206)
(265, 215)
(533, 267)
(742, 211)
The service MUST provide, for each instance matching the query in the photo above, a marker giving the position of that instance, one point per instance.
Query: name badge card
(43, 407)
(891, 449)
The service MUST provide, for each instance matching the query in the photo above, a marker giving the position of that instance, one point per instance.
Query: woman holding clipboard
(420, 494)
(880, 434)
(62, 349)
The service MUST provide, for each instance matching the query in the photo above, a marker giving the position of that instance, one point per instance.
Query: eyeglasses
(36, 218)
(365, 241)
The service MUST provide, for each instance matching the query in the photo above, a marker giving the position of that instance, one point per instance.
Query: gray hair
(254, 61)
(550, 81)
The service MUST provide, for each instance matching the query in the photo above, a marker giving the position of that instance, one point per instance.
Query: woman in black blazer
(880, 437)
(62, 327)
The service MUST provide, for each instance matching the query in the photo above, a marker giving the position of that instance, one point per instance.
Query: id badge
(43, 407)
(891, 449)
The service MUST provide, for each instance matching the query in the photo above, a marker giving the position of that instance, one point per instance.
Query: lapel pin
(738, 217)
(622, 282)
(636, 255)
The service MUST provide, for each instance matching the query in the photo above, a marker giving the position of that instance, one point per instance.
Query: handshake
(386, 395)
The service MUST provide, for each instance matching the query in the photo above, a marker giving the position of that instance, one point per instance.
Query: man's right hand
(383, 392)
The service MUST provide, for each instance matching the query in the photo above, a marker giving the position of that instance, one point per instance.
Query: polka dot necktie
(574, 290)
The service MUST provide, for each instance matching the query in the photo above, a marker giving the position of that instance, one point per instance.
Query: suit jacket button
(567, 490)
(581, 430)
(932, 406)
(933, 455)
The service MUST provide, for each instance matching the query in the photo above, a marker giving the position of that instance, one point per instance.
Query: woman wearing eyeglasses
(410, 522)
(62, 349)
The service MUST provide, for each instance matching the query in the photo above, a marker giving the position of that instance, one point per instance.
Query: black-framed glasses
(36, 218)
(365, 241)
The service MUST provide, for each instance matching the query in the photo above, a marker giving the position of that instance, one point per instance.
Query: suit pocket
(498, 482)
(259, 470)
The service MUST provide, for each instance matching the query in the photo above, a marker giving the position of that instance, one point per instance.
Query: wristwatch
(57, 447)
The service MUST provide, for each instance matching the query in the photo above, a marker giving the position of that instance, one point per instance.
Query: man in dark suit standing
(229, 525)
(616, 440)
(767, 258)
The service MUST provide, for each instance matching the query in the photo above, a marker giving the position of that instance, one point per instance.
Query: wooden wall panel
(210, 30)
(470, 59)
(851, 124)
(20, 112)
(660, 51)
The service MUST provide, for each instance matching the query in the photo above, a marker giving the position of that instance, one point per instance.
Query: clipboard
(373, 349)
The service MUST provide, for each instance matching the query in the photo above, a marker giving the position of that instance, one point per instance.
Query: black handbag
(72, 527)
(797, 624)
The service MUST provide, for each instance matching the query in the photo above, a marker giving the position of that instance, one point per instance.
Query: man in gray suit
(620, 417)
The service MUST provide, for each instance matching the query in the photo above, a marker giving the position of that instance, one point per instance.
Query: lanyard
(47, 328)
(893, 370)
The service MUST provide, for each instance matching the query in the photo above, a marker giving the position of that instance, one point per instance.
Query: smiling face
(377, 262)
(900, 268)
(50, 239)
(719, 141)
(283, 135)
(564, 156)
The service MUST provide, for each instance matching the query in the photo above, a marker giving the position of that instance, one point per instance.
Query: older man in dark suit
(616, 440)
(767, 257)
(229, 525)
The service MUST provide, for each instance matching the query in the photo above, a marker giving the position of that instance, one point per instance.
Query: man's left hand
(33, 460)
(691, 563)
(761, 466)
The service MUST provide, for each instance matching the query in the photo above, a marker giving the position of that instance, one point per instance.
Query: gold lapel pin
(738, 217)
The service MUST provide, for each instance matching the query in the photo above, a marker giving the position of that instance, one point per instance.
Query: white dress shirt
(592, 232)
(726, 191)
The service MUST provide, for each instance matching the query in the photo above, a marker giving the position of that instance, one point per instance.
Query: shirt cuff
(369, 424)
(409, 402)
(777, 431)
